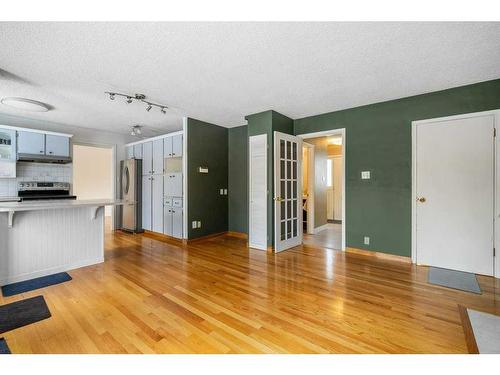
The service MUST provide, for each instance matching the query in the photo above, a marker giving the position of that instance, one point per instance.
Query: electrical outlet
(365, 175)
(221, 191)
(199, 224)
(194, 225)
(367, 240)
(225, 191)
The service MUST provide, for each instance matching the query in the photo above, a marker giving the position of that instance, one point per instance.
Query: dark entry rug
(39, 282)
(4, 348)
(18, 314)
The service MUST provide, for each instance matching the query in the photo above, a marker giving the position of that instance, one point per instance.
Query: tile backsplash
(35, 172)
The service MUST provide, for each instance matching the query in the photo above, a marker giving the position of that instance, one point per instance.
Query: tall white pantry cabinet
(162, 183)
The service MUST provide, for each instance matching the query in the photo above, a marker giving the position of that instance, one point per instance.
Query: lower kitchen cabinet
(173, 222)
(146, 202)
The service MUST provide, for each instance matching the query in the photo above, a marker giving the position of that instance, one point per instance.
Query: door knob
(278, 199)
(421, 199)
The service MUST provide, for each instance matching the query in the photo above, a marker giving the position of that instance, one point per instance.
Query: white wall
(93, 173)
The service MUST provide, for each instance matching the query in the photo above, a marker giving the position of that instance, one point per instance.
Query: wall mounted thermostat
(365, 175)
(203, 169)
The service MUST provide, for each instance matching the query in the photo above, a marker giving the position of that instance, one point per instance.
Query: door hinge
(494, 132)
(494, 252)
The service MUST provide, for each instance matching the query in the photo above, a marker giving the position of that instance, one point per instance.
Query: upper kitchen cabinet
(137, 153)
(30, 143)
(147, 158)
(130, 152)
(173, 146)
(56, 145)
(158, 156)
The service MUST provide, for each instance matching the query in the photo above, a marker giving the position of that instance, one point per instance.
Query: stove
(36, 190)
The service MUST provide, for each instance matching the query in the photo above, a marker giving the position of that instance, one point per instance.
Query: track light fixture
(139, 98)
(136, 130)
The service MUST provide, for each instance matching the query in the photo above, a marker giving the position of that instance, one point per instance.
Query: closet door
(147, 158)
(158, 156)
(146, 202)
(177, 146)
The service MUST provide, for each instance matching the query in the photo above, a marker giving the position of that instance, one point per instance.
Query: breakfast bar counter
(39, 238)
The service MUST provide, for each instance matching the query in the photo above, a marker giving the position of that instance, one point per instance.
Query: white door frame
(341, 132)
(496, 198)
(310, 186)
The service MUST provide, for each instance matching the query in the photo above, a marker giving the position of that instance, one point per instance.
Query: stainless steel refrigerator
(131, 194)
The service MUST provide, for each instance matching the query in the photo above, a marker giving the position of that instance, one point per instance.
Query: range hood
(44, 158)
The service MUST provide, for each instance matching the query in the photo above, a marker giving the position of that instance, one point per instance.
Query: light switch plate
(366, 240)
(199, 224)
(194, 225)
(221, 191)
(225, 191)
(365, 175)
(203, 169)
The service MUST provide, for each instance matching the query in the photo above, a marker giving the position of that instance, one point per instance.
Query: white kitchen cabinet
(130, 152)
(167, 221)
(173, 222)
(138, 151)
(146, 202)
(173, 146)
(158, 156)
(30, 143)
(147, 158)
(56, 145)
(177, 222)
(177, 146)
(157, 204)
(167, 147)
(173, 184)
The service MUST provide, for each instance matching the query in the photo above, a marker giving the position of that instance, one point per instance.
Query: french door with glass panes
(287, 191)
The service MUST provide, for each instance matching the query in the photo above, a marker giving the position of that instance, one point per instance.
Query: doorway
(453, 196)
(324, 189)
(93, 176)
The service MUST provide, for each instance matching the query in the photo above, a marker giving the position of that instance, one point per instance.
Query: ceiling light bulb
(163, 110)
(112, 96)
(149, 107)
(129, 99)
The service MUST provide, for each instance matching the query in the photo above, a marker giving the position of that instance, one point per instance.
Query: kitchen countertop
(56, 204)
(9, 199)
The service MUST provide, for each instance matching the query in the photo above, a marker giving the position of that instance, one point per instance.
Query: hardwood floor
(217, 296)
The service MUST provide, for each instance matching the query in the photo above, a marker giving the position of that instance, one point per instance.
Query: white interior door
(287, 191)
(455, 194)
(337, 187)
(257, 228)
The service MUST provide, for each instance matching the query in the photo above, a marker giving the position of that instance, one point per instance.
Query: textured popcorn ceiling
(220, 72)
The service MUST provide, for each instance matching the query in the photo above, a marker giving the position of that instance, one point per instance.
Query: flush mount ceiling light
(26, 104)
(140, 98)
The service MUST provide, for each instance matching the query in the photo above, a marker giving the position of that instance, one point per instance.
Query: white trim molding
(496, 218)
(341, 132)
(320, 228)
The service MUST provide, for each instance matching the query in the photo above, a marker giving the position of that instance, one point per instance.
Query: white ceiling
(220, 72)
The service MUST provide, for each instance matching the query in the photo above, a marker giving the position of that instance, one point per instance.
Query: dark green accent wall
(378, 138)
(238, 179)
(267, 123)
(207, 147)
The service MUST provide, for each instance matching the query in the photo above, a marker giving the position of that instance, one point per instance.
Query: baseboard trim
(162, 237)
(320, 228)
(378, 254)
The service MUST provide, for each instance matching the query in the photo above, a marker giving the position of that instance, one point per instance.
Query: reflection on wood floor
(217, 296)
(330, 237)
